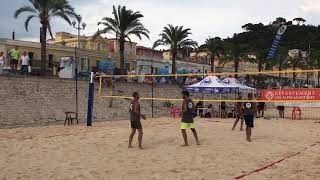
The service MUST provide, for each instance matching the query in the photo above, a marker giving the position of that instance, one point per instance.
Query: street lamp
(79, 25)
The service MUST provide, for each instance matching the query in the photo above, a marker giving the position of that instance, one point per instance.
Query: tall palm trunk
(174, 57)
(212, 64)
(121, 43)
(236, 68)
(259, 65)
(294, 75)
(43, 40)
(280, 75)
(318, 79)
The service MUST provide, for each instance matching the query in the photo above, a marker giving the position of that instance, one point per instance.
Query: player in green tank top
(135, 115)
(187, 118)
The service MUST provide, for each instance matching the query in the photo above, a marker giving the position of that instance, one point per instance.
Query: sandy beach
(100, 152)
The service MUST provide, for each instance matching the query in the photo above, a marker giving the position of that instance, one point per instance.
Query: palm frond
(50, 31)
(157, 43)
(26, 23)
(25, 9)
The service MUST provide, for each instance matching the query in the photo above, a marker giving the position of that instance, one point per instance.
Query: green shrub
(168, 104)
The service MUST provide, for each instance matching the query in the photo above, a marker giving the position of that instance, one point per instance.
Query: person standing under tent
(135, 115)
(24, 64)
(14, 54)
(261, 108)
(281, 109)
(187, 121)
(250, 111)
(239, 114)
(1, 63)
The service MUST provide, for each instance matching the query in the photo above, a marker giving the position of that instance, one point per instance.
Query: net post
(90, 101)
(100, 85)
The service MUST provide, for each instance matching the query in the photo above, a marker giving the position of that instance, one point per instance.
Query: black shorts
(13, 62)
(260, 108)
(249, 121)
(24, 69)
(136, 125)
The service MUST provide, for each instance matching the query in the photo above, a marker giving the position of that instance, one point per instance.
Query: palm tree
(235, 54)
(124, 23)
(214, 46)
(299, 21)
(280, 59)
(280, 20)
(45, 11)
(315, 63)
(176, 37)
(294, 63)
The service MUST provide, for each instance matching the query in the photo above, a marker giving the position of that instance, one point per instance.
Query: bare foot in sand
(141, 148)
(185, 145)
(130, 146)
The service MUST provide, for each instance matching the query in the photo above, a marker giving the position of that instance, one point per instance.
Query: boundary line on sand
(274, 163)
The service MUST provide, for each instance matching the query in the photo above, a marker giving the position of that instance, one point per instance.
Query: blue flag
(276, 41)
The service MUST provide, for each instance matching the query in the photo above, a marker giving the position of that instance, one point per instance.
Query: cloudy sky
(205, 17)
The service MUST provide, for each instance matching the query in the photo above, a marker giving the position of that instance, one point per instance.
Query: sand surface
(101, 152)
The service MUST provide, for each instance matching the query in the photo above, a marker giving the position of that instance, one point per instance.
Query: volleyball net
(271, 89)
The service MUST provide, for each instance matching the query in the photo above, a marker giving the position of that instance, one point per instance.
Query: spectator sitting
(209, 113)
(162, 80)
(133, 73)
(194, 80)
(223, 108)
(150, 80)
(188, 81)
(198, 106)
(296, 113)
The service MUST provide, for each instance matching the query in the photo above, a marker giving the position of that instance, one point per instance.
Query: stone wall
(41, 101)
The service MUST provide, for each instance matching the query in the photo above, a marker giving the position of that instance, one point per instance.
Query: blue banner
(276, 41)
(106, 66)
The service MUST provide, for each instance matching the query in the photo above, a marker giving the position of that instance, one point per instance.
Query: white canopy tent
(235, 83)
(212, 84)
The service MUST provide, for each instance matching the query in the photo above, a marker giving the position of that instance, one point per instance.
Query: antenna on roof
(13, 35)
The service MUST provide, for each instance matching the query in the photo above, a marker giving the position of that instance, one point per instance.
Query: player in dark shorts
(261, 107)
(281, 111)
(239, 114)
(187, 118)
(250, 111)
(135, 116)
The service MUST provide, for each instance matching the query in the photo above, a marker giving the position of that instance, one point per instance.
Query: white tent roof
(210, 81)
(211, 84)
(235, 83)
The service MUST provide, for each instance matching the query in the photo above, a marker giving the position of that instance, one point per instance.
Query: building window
(81, 45)
(127, 66)
(84, 64)
(97, 63)
(31, 56)
(50, 61)
(98, 46)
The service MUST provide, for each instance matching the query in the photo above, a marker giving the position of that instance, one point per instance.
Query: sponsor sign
(290, 94)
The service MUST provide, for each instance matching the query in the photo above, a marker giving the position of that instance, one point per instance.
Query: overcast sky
(206, 18)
